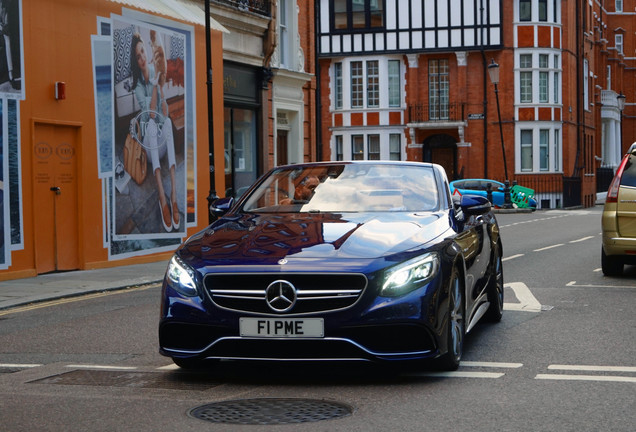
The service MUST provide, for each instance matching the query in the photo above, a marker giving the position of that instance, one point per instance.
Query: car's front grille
(315, 292)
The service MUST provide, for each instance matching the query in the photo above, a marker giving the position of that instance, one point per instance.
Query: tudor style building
(408, 79)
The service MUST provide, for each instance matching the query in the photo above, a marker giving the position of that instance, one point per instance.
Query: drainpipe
(485, 90)
(208, 56)
(318, 96)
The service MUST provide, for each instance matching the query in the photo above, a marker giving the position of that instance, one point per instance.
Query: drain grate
(107, 378)
(271, 411)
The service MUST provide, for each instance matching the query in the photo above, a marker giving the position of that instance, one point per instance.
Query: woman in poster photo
(149, 77)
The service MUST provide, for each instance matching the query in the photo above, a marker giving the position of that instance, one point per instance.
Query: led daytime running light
(403, 279)
(182, 277)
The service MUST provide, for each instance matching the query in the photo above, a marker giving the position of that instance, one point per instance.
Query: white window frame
(347, 136)
(543, 72)
(618, 43)
(546, 137)
(390, 87)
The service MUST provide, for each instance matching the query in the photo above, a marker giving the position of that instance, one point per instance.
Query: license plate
(279, 327)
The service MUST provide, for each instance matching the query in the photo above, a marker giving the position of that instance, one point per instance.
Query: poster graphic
(149, 131)
(11, 64)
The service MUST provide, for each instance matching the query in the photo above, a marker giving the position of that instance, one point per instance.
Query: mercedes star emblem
(280, 296)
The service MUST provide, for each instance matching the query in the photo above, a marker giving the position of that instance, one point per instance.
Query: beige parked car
(619, 218)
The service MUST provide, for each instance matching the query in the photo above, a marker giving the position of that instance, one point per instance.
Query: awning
(183, 10)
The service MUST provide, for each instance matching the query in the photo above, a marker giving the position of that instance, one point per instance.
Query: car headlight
(410, 275)
(182, 277)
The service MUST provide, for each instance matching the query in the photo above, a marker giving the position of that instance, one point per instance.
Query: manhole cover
(270, 411)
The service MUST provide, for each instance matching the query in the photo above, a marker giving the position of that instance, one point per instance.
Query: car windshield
(346, 188)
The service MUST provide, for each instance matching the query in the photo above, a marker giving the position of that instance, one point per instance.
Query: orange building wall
(57, 47)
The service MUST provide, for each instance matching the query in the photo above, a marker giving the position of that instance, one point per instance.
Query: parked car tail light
(612, 192)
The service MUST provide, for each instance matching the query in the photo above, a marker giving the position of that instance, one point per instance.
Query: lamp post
(620, 100)
(493, 72)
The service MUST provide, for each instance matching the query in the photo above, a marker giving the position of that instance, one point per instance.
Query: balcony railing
(430, 113)
(261, 7)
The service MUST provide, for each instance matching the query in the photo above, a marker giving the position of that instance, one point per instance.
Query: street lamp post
(620, 100)
(493, 71)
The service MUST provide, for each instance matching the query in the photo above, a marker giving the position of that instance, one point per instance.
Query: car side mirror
(221, 206)
(475, 205)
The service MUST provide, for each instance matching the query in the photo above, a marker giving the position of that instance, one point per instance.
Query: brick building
(408, 79)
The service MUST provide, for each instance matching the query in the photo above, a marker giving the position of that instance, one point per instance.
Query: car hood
(265, 238)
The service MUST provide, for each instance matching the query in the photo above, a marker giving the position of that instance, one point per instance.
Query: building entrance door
(55, 196)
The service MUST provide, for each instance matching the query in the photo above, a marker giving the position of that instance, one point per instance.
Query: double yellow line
(49, 303)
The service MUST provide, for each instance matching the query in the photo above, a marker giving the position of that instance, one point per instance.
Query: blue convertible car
(369, 261)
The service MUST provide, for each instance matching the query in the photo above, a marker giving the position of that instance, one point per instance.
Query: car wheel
(456, 325)
(611, 266)
(495, 289)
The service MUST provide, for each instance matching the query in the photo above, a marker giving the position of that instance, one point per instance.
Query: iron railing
(261, 7)
(443, 112)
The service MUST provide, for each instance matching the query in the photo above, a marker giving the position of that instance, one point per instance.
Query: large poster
(11, 64)
(149, 131)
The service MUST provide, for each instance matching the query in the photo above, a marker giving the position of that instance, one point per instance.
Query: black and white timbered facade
(362, 27)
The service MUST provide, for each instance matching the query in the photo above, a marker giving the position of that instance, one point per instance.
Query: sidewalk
(67, 284)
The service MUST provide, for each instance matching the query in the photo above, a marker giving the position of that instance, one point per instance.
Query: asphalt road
(563, 358)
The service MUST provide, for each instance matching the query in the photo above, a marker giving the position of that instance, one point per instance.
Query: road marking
(491, 364)
(575, 285)
(169, 367)
(581, 239)
(606, 378)
(629, 369)
(548, 247)
(76, 298)
(512, 257)
(527, 302)
(19, 365)
(459, 374)
(91, 366)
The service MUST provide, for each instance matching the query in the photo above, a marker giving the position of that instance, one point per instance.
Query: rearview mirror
(221, 206)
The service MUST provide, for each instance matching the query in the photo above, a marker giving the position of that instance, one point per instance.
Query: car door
(626, 202)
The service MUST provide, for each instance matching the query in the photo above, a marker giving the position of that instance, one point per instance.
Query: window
(525, 10)
(357, 147)
(340, 14)
(556, 85)
(618, 43)
(358, 14)
(337, 80)
(283, 35)
(543, 10)
(526, 150)
(339, 152)
(438, 89)
(544, 150)
(525, 78)
(395, 147)
(586, 74)
(539, 147)
(357, 85)
(373, 147)
(618, 4)
(395, 93)
(556, 152)
(544, 75)
(373, 84)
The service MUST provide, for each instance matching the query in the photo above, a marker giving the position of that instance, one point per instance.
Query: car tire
(610, 265)
(456, 325)
(495, 288)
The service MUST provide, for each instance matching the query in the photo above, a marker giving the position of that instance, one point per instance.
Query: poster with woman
(11, 64)
(149, 130)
